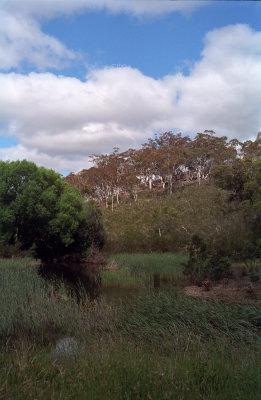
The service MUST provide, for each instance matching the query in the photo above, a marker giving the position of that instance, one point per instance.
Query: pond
(80, 279)
(76, 277)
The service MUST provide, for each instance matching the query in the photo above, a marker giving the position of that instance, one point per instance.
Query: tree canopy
(163, 163)
(38, 209)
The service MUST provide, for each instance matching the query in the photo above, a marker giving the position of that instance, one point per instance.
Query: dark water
(78, 279)
(113, 294)
(81, 279)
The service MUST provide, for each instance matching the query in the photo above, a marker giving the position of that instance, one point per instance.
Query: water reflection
(114, 294)
(78, 278)
(81, 279)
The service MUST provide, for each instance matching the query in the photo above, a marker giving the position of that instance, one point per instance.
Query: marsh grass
(123, 277)
(136, 270)
(152, 346)
(166, 263)
(127, 370)
(154, 316)
(31, 307)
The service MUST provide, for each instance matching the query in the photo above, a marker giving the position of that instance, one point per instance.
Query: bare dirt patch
(233, 290)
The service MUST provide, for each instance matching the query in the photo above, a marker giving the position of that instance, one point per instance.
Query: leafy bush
(250, 254)
(14, 250)
(254, 276)
(37, 208)
(205, 264)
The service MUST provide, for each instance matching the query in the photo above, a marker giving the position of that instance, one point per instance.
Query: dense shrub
(205, 264)
(250, 252)
(159, 222)
(37, 208)
(14, 250)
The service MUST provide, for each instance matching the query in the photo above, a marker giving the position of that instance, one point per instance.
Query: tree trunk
(170, 184)
(199, 177)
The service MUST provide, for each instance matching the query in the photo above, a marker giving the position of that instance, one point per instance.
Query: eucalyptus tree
(206, 150)
(172, 155)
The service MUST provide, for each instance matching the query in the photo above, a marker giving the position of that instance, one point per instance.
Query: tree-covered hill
(162, 222)
(157, 197)
(163, 163)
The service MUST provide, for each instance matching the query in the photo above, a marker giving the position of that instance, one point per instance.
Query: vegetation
(204, 264)
(163, 163)
(118, 371)
(167, 223)
(38, 209)
(167, 263)
(174, 187)
(243, 180)
(163, 345)
(136, 270)
(198, 199)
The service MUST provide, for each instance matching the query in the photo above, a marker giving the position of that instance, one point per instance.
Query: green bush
(160, 223)
(37, 208)
(250, 254)
(205, 264)
(14, 250)
(254, 276)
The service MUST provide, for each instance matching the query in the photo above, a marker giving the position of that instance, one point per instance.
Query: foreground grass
(126, 370)
(136, 270)
(29, 306)
(164, 346)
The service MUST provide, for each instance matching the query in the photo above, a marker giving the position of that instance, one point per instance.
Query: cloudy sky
(79, 77)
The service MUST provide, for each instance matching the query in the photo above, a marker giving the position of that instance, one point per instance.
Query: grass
(122, 277)
(30, 307)
(125, 370)
(152, 346)
(166, 263)
(136, 270)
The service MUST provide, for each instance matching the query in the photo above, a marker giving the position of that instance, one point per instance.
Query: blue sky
(80, 77)
(156, 46)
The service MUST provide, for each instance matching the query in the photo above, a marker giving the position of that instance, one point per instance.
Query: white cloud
(223, 90)
(22, 40)
(58, 163)
(59, 121)
(62, 115)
